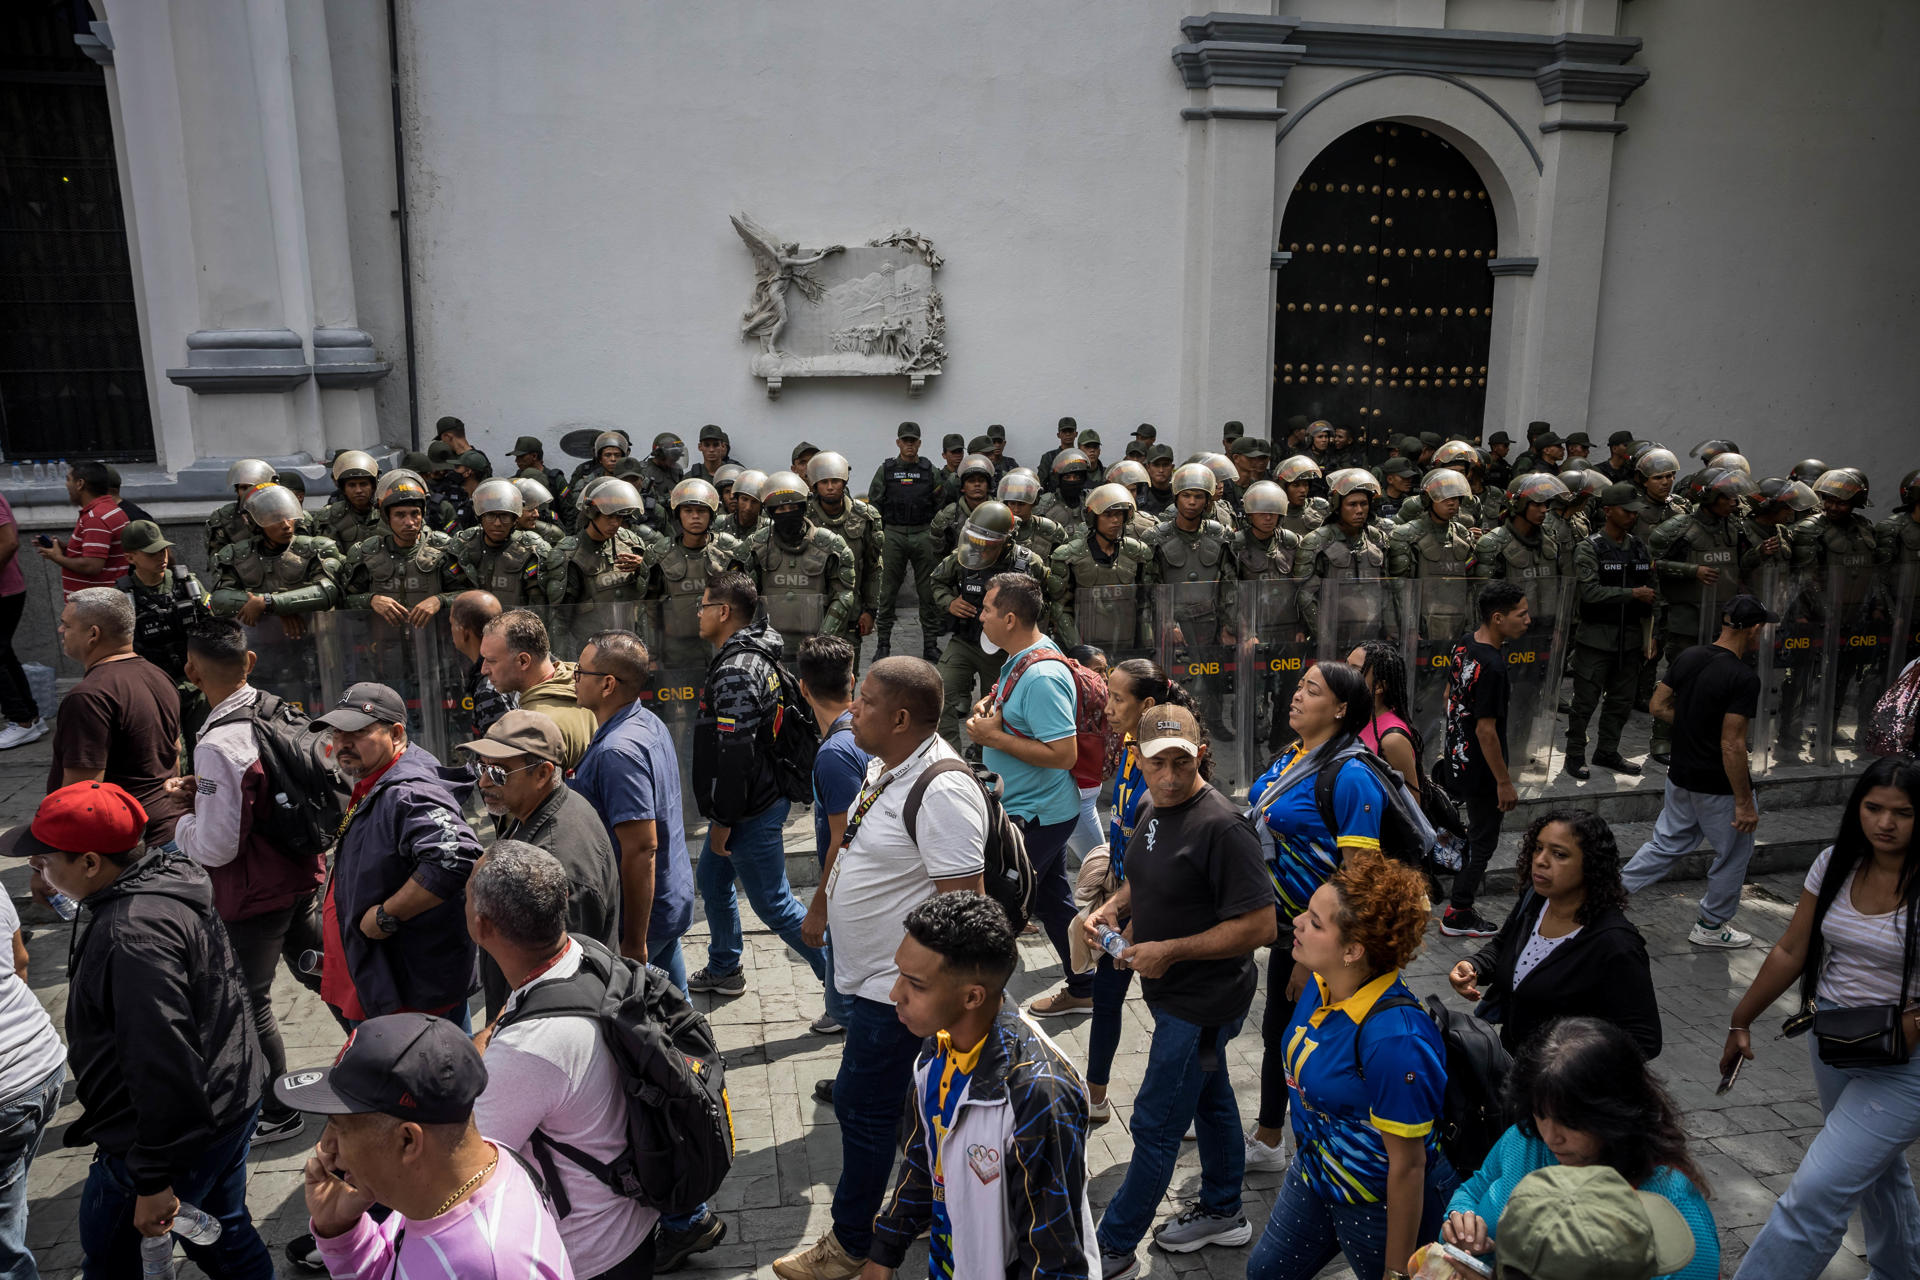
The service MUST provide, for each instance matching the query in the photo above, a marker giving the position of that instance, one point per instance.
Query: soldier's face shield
(979, 548)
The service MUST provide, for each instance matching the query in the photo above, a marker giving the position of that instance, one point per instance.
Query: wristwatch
(268, 598)
(385, 923)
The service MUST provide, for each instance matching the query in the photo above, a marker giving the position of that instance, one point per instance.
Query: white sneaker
(1724, 936)
(1262, 1156)
(19, 735)
(1100, 1112)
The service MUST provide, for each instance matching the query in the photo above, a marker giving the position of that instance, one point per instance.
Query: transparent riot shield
(358, 645)
(678, 670)
(570, 626)
(1906, 614)
(795, 612)
(1118, 620)
(1769, 585)
(1442, 610)
(1351, 610)
(1200, 651)
(1791, 670)
(1275, 650)
(287, 661)
(1859, 634)
(1535, 664)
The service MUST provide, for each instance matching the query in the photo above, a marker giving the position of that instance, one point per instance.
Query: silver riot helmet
(1223, 471)
(272, 503)
(1297, 468)
(1353, 480)
(1583, 482)
(749, 484)
(827, 466)
(249, 472)
(727, 474)
(611, 497)
(783, 488)
(1128, 473)
(611, 440)
(1456, 453)
(1655, 462)
(979, 464)
(1443, 483)
(1265, 498)
(984, 535)
(1018, 485)
(354, 465)
(1731, 461)
(1065, 461)
(491, 496)
(397, 478)
(1111, 497)
(694, 492)
(1196, 475)
(536, 494)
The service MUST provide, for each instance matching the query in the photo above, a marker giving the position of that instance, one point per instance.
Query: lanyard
(870, 794)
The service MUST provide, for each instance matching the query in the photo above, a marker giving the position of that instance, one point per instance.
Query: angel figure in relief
(779, 264)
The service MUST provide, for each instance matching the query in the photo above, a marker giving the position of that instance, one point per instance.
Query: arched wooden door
(1386, 306)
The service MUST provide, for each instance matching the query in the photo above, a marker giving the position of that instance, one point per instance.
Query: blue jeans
(757, 857)
(1088, 834)
(1052, 901)
(1110, 986)
(869, 1097)
(668, 956)
(1175, 1092)
(839, 1006)
(1305, 1232)
(22, 1121)
(1857, 1160)
(216, 1181)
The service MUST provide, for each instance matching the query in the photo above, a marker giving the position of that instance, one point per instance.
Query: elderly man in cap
(400, 1133)
(393, 916)
(166, 1063)
(524, 787)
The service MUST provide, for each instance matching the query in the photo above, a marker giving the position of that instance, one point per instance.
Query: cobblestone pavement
(778, 1195)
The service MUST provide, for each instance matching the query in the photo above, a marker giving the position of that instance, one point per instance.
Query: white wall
(572, 168)
(1761, 276)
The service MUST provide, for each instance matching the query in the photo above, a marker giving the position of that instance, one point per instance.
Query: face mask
(790, 524)
(1070, 487)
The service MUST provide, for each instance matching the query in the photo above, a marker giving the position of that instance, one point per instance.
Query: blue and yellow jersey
(1305, 852)
(1129, 790)
(1340, 1118)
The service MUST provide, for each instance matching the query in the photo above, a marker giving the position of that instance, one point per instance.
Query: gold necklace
(468, 1185)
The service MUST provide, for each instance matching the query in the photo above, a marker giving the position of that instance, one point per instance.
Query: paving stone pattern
(781, 1186)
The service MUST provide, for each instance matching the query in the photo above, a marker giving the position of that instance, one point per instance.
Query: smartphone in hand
(1733, 1073)
(43, 540)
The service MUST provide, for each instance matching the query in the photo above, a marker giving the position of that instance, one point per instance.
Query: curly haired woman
(1566, 949)
(1368, 1179)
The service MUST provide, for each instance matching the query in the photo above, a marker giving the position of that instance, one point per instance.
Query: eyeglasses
(704, 605)
(582, 671)
(494, 775)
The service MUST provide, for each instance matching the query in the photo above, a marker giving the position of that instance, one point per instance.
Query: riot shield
(1118, 620)
(1906, 614)
(287, 661)
(1355, 609)
(1792, 670)
(1535, 664)
(678, 670)
(1859, 634)
(1442, 610)
(1770, 586)
(570, 626)
(795, 612)
(1201, 653)
(1274, 653)
(358, 645)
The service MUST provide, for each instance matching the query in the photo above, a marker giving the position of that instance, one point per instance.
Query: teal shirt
(1516, 1155)
(1041, 708)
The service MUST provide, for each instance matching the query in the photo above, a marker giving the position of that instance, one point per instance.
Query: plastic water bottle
(14, 477)
(39, 473)
(66, 908)
(196, 1226)
(1111, 942)
(156, 1258)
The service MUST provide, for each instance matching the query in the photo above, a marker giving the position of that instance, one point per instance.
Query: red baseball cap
(87, 817)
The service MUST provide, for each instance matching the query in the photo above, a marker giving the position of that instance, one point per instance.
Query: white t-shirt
(1536, 950)
(554, 1075)
(29, 1046)
(882, 875)
(1864, 953)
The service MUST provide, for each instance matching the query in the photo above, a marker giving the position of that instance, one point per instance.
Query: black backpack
(680, 1139)
(1009, 875)
(1473, 1113)
(1405, 833)
(306, 797)
(793, 739)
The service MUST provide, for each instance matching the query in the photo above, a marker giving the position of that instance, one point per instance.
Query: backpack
(793, 740)
(1089, 712)
(304, 807)
(1009, 875)
(1405, 834)
(680, 1139)
(1473, 1112)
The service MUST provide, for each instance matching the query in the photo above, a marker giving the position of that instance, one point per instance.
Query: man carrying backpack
(555, 1076)
(263, 894)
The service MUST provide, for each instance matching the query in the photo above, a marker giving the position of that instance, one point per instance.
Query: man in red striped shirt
(92, 556)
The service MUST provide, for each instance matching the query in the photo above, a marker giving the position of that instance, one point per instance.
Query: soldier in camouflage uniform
(1898, 536)
(953, 452)
(716, 451)
(1263, 557)
(296, 484)
(1066, 432)
(589, 575)
(1350, 546)
(1834, 556)
(1101, 582)
(1154, 503)
(228, 523)
(529, 459)
(1775, 507)
(858, 524)
(1132, 476)
(1194, 564)
(406, 573)
(1520, 550)
(351, 518)
(908, 492)
(976, 486)
(1396, 477)
(959, 585)
(539, 499)
(1455, 456)
(1656, 470)
(1073, 475)
(805, 573)
(1298, 475)
(276, 570)
(681, 569)
(168, 602)
(608, 448)
(1435, 544)
(497, 557)
(442, 515)
(1610, 641)
(744, 520)
(661, 470)
(1019, 490)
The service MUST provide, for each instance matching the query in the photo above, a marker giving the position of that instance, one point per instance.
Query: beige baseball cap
(520, 733)
(1169, 728)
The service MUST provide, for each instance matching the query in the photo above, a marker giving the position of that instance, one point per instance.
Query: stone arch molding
(1484, 133)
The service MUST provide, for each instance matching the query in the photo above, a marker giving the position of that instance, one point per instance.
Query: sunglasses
(494, 775)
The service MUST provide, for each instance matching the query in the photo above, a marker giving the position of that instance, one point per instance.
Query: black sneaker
(930, 650)
(884, 646)
(823, 1091)
(1618, 763)
(272, 1129)
(1468, 923)
(1576, 767)
(673, 1248)
(1661, 758)
(721, 984)
(304, 1254)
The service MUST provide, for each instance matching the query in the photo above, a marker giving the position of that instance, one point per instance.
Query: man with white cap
(1201, 903)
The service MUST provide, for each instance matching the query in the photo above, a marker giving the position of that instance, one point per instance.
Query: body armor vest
(1266, 570)
(971, 585)
(347, 527)
(1627, 566)
(407, 574)
(1522, 559)
(592, 576)
(910, 493)
(1366, 558)
(793, 582)
(682, 579)
(509, 571)
(262, 571)
(856, 524)
(162, 617)
(1190, 566)
(1700, 539)
(1107, 597)
(1439, 550)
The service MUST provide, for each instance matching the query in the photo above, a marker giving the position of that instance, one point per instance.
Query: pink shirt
(12, 581)
(502, 1230)
(1381, 722)
(97, 533)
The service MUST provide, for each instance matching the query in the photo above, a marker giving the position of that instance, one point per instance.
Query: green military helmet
(1019, 485)
(1656, 462)
(669, 446)
(1195, 475)
(827, 466)
(399, 487)
(749, 484)
(1792, 495)
(249, 472)
(1296, 469)
(611, 440)
(1353, 480)
(493, 496)
(986, 531)
(1065, 462)
(1264, 498)
(1807, 470)
(728, 473)
(272, 503)
(1222, 467)
(979, 464)
(1129, 473)
(1456, 453)
(607, 496)
(1844, 484)
(787, 489)
(694, 492)
(1110, 497)
(354, 464)
(1443, 483)
(534, 491)
(1716, 482)
(1732, 460)
(1534, 486)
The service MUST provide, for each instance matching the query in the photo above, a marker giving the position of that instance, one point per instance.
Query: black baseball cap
(908, 431)
(711, 433)
(1745, 611)
(412, 1066)
(364, 704)
(1619, 437)
(951, 441)
(1146, 431)
(1499, 437)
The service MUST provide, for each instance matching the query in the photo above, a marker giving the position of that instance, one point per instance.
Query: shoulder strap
(262, 707)
(1386, 1002)
(910, 813)
(1020, 669)
(1323, 783)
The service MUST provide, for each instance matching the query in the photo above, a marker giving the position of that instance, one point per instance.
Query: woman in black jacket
(1566, 949)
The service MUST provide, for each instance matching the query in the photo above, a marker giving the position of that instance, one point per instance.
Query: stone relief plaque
(843, 311)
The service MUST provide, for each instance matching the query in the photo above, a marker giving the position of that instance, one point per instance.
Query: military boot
(883, 646)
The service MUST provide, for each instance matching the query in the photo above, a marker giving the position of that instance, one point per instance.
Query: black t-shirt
(1709, 684)
(1478, 688)
(1192, 867)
